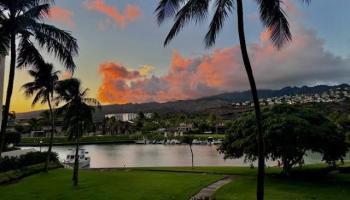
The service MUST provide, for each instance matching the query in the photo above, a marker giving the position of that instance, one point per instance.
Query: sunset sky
(122, 58)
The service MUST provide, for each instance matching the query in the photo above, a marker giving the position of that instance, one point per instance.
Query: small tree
(188, 139)
(77, 112)
(42, 88)
(290, 133)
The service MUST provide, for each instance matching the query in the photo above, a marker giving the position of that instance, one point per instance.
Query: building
(125, 117)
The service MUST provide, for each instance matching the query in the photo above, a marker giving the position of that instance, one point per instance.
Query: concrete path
(208, 191)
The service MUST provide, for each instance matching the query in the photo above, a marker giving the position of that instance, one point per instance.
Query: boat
(217, 142)
(195, 141)
(174, 141)
(144, 141)
(84, 160)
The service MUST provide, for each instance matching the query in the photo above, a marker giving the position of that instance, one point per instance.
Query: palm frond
(167, 9)
(192, 10)
(275, 19)
(57, 42)
(41, 94)
(28, 54)
(38, 12)
(92, 102)
(223, 9)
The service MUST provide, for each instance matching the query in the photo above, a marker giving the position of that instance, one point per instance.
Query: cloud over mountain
(304, 61)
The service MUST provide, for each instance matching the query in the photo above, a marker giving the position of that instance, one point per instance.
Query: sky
(122, 58)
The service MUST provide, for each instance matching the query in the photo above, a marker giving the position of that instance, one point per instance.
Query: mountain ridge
(200, 105)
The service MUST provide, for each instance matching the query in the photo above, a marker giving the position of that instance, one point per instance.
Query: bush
(13, 138)
(28, 159)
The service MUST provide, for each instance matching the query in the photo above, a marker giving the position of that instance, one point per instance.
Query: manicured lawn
(244, 171)
(179, 183)
(243, 188)
(120, 184)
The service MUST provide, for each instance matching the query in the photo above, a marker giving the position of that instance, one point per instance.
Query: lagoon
(133, 155)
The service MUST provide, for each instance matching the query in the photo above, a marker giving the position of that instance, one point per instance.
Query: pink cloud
(304, 61)
(131, 13)
(62, 15)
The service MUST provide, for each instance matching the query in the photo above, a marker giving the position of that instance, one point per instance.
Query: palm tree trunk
(9, 92)
(76, 161)
(260, 139)
(192, 156)
(51, 135)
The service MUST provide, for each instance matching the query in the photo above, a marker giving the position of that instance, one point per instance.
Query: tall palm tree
(272, 16)
(42, 88)
(77, 114)
(22, 26)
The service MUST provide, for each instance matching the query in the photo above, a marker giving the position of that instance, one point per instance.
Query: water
(108, 156)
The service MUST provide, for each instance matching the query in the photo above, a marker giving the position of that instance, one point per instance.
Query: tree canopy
(290, 133)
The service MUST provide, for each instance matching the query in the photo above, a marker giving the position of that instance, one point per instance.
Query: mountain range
(218, 103)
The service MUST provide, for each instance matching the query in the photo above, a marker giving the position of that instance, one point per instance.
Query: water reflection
(105, 156)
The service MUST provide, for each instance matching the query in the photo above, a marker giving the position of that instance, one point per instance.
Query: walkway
(208, 191)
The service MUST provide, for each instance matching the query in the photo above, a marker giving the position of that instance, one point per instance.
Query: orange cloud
(303, 62)
(131, 13)
(265, 35)
(62, 15)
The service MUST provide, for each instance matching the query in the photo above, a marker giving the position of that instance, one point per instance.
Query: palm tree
(77, 114)
(43, 86)
(272, 16)
(22, 26)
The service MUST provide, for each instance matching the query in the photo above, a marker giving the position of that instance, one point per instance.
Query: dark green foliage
(13, 138)
(188, 139)
(28, 159)
(290, 132)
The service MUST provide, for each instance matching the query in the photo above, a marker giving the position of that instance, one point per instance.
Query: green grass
(118, 184)
(243, 171)
(243, 188)
(179, 183)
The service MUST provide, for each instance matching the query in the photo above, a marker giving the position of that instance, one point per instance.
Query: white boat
(195, 141)
(141, 141)
(84, 160)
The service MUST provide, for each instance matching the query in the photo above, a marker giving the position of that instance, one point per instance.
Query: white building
(123, 116)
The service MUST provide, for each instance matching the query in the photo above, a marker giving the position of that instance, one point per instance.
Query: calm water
(104, 156)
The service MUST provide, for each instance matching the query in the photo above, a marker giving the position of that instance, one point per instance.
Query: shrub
(13, 163)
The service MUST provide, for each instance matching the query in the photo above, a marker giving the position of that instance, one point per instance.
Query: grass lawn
(243, 188)
(180, 183)
(121, 185)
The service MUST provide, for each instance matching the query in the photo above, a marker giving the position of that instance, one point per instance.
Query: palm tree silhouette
(77, 113)
(22, 21)
(272, 16)
(43, 86)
